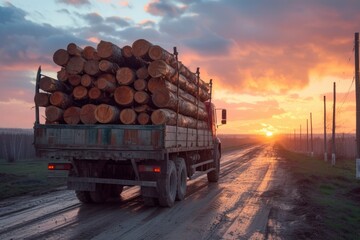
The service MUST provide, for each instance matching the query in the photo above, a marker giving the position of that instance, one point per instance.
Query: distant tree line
(16, 145)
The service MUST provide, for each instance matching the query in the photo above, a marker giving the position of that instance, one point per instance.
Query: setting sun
(269, 134)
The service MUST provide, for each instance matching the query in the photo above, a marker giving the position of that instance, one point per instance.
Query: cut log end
(54, 114)
(80, 92)
(141, 47)
(128, 116)
(72, 115)
(106, 113)
(61, 57)
(87, 114)
(42, 99)
(124, 95)
(125, 76)
(143, 118)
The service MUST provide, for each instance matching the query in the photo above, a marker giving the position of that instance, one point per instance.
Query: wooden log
(80, 92)
(140, 84)
(109, 77)
(143, 118)
(140, 48)
(74, 50)
(160, 68)
(111, 52)
(87, 80)
(143, 108)
(107, 66)
(163, 98)
(126, 52)
(87, 114)
(128, 116)
(125, 76)
(91, 67)
(163, 116)
(53, 114)
(129, 59)
(124, 95)
(95, 93)
(42, 99)
(61, 57)
(75, 65)
(158, 53)
(90, 53)
(48, 84)
(72, 115)
(105, 113)
(62, 75)
(105, 85)
(141, 97)
(60, 99)
(142, 73)
(74, 80)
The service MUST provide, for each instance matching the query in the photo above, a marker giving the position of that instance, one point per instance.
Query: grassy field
(332, 192)
(25, 177)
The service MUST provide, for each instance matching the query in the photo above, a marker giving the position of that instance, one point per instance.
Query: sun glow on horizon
(269, 134)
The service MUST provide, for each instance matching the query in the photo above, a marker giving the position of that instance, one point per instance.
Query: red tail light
(145, 168)
(59, 166)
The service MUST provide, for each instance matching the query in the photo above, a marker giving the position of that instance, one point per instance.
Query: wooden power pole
(333, 156)
(325, 145)
(357, 91)
(311, 136)
(307, 136)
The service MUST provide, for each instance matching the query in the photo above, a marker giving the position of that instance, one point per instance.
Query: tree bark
(75, 65)
(48, 84)
(125, 76)
(107, 66)
(80, 92)
(87, 114)
(140, 84)
(42, 99)
(105, 113)
(111, 52)
(159, 68)
(53, 114)
(124, 95)
(72, 115)
(128, 116)
(143, 118)
(61, 57)
(91, 67)
(74, 50)
(60, 99)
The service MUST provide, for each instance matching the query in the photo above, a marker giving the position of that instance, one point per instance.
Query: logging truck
(124, 145)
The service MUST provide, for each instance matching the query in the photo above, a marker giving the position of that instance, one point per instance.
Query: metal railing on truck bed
(117, 142)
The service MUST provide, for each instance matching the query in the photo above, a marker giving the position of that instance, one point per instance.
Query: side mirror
(223, 116)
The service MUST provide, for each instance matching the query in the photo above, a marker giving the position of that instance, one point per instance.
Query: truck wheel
(167, 185)
(213, 176)
(182, 177)
(101, 194)
(83, 196)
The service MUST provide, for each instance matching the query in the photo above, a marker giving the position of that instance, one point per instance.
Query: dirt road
(244, 204)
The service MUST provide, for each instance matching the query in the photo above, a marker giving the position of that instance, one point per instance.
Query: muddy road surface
(240, 206)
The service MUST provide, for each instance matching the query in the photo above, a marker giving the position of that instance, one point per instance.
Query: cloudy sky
(271, 61)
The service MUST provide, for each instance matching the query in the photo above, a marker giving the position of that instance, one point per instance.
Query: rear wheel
(101, 194)
(83, 196)
(167, 186)
(181, 177)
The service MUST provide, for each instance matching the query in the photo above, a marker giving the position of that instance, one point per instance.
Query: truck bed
(117, 142)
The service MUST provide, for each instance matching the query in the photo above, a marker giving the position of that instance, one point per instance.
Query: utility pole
(300, 143)
(294, 139)
(311, 134)
(325, 145)
(357, 90)
(307, 136)
(333, 156)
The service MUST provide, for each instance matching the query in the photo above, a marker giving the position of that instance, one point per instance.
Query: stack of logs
(138, 84)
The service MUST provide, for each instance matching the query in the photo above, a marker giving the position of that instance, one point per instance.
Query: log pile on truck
(140, 84)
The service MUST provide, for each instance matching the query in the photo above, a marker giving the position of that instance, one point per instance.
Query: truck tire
(167, 186)
(83, 196)
(101, 194)
(213, 176)
(182, 177)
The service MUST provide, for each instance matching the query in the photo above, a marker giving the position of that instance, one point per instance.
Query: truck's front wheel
(213, 176)
(167, 186)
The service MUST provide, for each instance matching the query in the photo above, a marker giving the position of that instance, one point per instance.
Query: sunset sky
(271, 61)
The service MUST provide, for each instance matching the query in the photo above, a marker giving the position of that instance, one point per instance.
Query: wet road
(234, 208)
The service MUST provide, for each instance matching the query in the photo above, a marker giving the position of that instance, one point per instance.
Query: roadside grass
(332, 191)
(22, 177)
